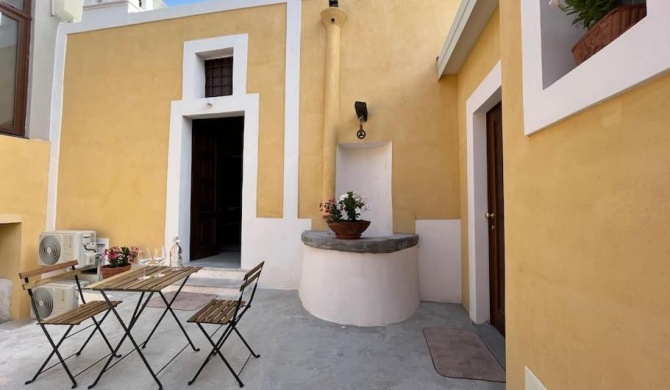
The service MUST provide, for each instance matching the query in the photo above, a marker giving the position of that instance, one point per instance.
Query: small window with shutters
(219, 77)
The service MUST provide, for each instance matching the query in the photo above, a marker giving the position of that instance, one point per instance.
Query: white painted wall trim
(471, 19)
(485, 97)
(55, 127)
(277, 242)
(178, 198)
(367, 168)
(532, 383)
(292, 109)
(640, 54)
(195, 54)
(440, 260)
(292, 98)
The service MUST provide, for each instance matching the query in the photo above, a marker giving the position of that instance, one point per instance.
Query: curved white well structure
(362, 289)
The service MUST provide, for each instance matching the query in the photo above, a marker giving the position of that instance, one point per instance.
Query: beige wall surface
(24, 171)
(118, 87)
(483, 57)
(587, 249)
(388, 60)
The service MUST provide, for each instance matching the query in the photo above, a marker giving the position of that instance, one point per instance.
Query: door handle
(489, 215)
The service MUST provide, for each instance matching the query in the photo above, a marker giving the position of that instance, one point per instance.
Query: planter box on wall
(609, 28)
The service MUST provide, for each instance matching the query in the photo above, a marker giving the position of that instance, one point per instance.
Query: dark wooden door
(496, 217)
(203, 190)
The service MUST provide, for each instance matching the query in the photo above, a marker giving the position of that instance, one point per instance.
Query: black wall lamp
(333, 3)
(362, 114)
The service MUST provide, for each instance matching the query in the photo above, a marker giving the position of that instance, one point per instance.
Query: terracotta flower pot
(348, 230)
(609, 28)
(108, 272)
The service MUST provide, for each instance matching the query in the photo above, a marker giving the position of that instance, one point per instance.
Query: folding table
(130, 282)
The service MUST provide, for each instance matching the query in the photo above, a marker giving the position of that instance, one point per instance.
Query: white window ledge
(640, 54)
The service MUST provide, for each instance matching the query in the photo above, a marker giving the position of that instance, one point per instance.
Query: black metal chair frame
(251, 278)
(56, 346)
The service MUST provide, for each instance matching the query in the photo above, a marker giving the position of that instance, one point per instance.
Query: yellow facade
(586, 237)
(586, 248)
(116, 115)
(586, 199)
(387, 53)
(128, 105)
(23, 197)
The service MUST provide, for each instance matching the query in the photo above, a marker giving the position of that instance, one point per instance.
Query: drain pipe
(333, 18)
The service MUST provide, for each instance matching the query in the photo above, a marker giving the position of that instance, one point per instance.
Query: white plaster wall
(532, 383)
(361, 289)
(277, 242)
(558, 38)
(439, 260)
(366, 169)
(41, 73)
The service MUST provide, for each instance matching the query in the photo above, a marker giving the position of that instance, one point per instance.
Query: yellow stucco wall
(116, 107)
(24, 171)
(388, 60)
(483, 57)
(587, 244)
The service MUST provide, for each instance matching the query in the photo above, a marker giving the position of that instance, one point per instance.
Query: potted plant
(605, 21)
(343, 215)
(119, 259)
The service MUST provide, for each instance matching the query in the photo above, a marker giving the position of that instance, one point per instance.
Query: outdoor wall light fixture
(333, 3)
(362, 114)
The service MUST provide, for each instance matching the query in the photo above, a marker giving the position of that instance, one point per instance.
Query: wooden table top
(129, 280)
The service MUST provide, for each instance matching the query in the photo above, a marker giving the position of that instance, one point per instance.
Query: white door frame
(178, 206)
(485, 97)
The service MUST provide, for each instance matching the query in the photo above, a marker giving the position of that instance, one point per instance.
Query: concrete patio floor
(298, 351)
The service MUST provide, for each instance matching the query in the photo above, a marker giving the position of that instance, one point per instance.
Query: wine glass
(159, 256)
(144, 258)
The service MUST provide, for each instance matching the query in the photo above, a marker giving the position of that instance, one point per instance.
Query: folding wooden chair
(70, 318)
(227, 312)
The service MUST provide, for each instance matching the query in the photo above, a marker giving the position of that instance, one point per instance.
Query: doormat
(460, 353)
(185, 301)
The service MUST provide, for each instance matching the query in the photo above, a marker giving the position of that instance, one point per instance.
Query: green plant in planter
(588, 12)
(347, 208)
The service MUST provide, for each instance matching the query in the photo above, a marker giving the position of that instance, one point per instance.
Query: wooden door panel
(496, 217)
(203, 191)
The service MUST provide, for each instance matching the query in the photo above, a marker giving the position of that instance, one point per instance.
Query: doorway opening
(496, 216)
(216, 192)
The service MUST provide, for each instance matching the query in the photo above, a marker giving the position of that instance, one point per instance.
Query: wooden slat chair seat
(80, 314)
(227, 312)
(69, 318)
(218, 311)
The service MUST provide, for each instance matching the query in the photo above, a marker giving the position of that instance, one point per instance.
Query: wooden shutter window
(219, 77)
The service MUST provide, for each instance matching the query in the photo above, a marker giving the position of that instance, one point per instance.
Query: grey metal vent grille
(44, 302)
(49, 249)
